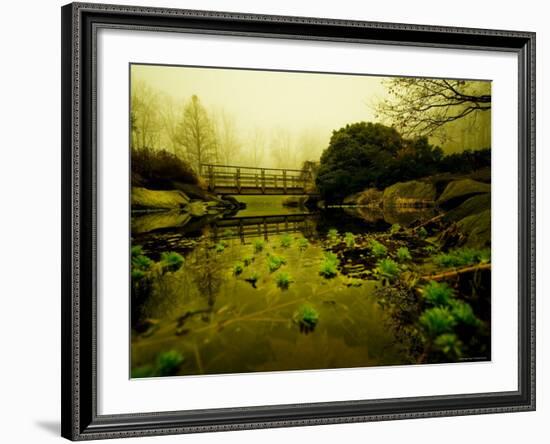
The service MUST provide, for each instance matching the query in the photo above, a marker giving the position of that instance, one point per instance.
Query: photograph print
(299, 220)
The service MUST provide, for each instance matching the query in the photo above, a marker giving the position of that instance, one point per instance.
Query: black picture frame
(80, 22)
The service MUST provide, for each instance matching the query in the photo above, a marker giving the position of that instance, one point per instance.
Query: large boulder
(476, 229)
(458, 191)
(142, 198)
(295, 201)
(370, 197)
(473, 205)
(412, 194)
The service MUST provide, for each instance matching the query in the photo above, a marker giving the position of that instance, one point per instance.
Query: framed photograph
(279, 221)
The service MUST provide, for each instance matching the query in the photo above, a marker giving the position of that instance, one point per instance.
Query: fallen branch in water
(456, 273)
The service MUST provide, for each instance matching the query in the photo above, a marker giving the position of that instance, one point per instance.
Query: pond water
(219, 320)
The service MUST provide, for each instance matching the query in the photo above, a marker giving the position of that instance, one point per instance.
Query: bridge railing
(240, 177)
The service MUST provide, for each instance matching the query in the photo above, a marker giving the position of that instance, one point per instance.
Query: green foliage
(395, 228)
(306, 317)
(378, 249)
(333, 235)
(464, 314)
(141, 262)
(145, 371)
(137, 274)
(403, 254)
(437, 293)
(247, 260)
(171, 261)
(283, 280)
(169, 362)
(422, 233)
(219, 247)
(286, 240)
(238, 268)
(228, 232)
(387, 268)
(258, 245)
(137, 250)
(303, 243)
(329, 267)
(436, 321)
(349, 239)
(463, 257)
(430, 249)
(275, 262)
(449, 344)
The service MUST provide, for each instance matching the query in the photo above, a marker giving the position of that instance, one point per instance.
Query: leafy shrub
(403, 254)
(387, 268)
(349, 239)
(145, 371)
(438, 294)
(171, 261)
(436, 321)
(141, 262)
(169, 362)
(283, 280)
(306, 317)
(463, 313)
(286, 240)
(275, 262)
(238, 268)
(137, 250)
(258, 245)
(449, 344)
(463, 257)
(137, 274)
(378, 249)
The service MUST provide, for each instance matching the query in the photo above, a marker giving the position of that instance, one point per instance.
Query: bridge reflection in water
(263, 226)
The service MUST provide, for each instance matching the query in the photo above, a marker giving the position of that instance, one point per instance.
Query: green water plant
(395, 228)
(303, 243)
(437, 320)
(463, 313)
(219, 247)
(378, 249)
(286, 240)
(145, 371)
(171, 261)
(139, 260)
(462, 257)
(306, 317)
(275, 262)
(329, 266)
(449, 344)
(168, 362)
(238, 268)
(387, 269)
(283, 280)
(247, 260)
(333, 235)
(422, 233)
(258, 245)
(437, 293)
(403, 254)
(349, 239)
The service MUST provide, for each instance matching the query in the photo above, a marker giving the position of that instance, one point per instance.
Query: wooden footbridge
(228, 179)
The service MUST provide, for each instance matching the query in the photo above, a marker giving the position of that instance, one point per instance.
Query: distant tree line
(371, 155)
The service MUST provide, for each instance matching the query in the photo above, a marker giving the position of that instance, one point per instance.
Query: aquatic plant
(329, 267)
(349, 239)
(436, 321)
(395, 228)
(145, 371)
(387, 268)
(238, 268)
(137, 250)
(283, 280)
(462, 257)
(430, 249)
(403, 254)
(247, 260)
(306, 317)
(422, 233)
(171, 261)
(219, 247)
(258, 245)
(169, 362)
(286, 240)
(303, 243)
(253, 278)
(463, 313)
(437, 293)
(138, 274)
(332, 235)
(275, 262)
(378, 249)
(141, 262)
(228, 232)
(449, 344)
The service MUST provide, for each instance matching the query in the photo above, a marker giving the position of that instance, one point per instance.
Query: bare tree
(195, 134)
(281, 148)
(228, 144)
(144, 116)
(256, 147)
(421, 107)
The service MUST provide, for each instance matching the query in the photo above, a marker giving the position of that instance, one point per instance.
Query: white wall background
(30, 221)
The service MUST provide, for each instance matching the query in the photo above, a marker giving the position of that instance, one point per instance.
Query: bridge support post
(284, 181)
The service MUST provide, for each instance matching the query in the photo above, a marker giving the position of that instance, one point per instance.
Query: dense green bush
(157, 169)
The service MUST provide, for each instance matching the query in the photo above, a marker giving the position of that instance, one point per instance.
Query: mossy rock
(143, 198)
(469, 207)
(476, 229)
(412, 193)
(368, 197)
(459, 190)
(295, 201)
